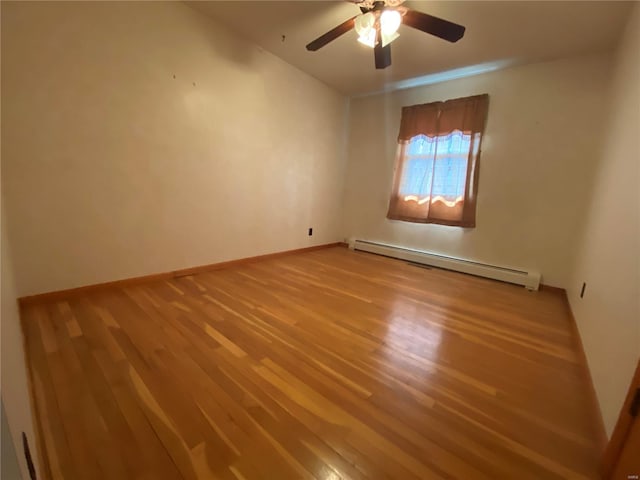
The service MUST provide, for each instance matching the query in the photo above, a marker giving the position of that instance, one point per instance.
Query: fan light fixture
(365, 26)
(377, 26)
(390, 22)
(368, 38)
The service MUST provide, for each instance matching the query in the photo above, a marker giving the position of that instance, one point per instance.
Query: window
(437, 165)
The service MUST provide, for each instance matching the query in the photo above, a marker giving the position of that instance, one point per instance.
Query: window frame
(470, 113)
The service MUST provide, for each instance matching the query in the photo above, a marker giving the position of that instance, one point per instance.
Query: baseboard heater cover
(530, 280)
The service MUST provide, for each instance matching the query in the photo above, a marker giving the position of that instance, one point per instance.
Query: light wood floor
(329, 364)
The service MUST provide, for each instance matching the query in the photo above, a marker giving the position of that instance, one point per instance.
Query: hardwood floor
(330, 364)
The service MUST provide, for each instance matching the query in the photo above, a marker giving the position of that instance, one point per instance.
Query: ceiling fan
(378, 24)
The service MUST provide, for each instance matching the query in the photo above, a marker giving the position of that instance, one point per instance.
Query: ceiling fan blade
(452, 32)
(331, 35)
(382, 55)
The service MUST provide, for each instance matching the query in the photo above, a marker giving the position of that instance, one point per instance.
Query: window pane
(455, 142)
(449, 174)
(451, 165)
(422, 145)
(416, 176)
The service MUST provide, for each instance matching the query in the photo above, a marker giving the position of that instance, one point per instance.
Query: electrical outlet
(310, 231)
(584, 285)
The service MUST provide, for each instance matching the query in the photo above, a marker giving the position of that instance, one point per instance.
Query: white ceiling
(506, 32)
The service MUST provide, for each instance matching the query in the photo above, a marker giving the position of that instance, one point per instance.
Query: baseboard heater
(530, 280)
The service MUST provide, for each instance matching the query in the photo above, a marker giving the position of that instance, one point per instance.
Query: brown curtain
(438, 120)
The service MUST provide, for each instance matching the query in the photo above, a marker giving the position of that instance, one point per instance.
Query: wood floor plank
(326, 364)
(57, 455)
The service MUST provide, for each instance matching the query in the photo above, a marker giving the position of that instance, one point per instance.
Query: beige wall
(608, 316)
(543, 126)
(14, 387)
(9, 469)
(113, 168)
